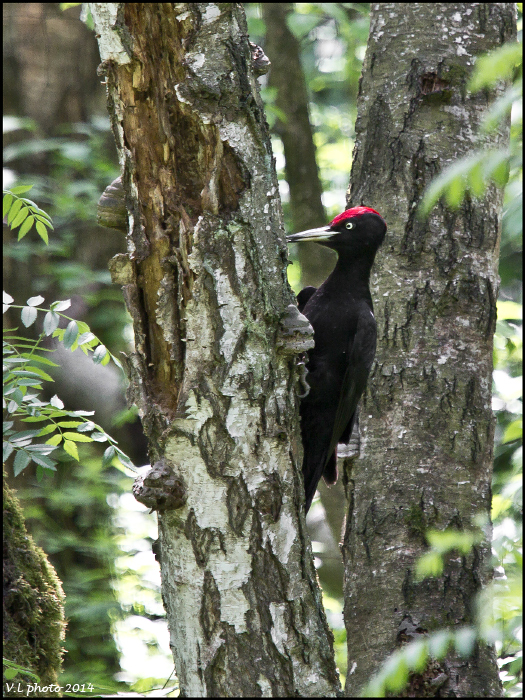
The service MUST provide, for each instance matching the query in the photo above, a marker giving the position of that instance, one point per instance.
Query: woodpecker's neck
(352, 274)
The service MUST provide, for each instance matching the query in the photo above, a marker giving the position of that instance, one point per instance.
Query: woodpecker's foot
(261, 62)
(295, 335)
(304, 387)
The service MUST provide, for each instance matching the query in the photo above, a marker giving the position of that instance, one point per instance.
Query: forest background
(57, 137)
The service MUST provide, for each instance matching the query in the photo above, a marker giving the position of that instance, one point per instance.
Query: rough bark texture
(302, 174)
(205, 283)
(33, 606)
(427, 423)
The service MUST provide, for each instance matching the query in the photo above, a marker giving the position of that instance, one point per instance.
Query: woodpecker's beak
(324, 233)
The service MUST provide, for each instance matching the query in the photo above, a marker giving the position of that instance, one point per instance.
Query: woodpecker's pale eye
(349, 225)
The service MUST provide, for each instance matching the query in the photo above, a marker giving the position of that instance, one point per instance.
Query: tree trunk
(214, 373)
(301, 171)
(33, 607)
(427, 422)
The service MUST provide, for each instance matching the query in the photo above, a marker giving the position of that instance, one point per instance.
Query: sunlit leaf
(99, 354)
(35, 301)
(51, 321)
(26, 226)
(54, 440)
(28, 315)
(62, 306)
(70, 335)
(429, 564)
(78, 437)
(42, 231)
(56, 402)
(71, 449)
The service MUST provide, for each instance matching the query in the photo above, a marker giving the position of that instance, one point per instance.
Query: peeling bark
(427, 424)
(206, 287)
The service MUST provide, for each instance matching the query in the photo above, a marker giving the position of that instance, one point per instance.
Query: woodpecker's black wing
(361, 352)
(328, 412)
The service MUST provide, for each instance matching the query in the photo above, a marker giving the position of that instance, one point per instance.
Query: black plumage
(341, 314)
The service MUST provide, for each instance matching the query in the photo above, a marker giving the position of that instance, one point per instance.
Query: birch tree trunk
(426, 423)
(214, 372)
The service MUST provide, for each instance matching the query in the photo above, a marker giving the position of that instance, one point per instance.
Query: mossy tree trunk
(213, 376)
(427, 424)
(33, 607)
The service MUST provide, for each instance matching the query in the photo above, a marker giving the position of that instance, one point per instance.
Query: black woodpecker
(342, 316)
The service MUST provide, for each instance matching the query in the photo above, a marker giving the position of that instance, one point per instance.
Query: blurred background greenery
(57, 137)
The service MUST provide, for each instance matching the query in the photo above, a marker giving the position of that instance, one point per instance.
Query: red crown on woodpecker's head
(352, 213)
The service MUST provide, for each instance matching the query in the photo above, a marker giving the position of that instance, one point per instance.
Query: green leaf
(396, 673)
(15, 208)
(8, 198)
(125, 460)
(42, 231)
(62, 306)
(8, 450)
(70, 335)
(109, 453)
(26, 227)
(99, 437)
(416, 655)
(83, 427)
(54, 440)
(71, 449)
(24, 434)
(39, 372)
(70, 423)
(513, 431)
(496, 65)
(51, 321)
(99, 354)
(429, 564)
(86, 338)
(28, 315)
(38, 358)
(22, 459)
(446, 540)
(56, 402)
(78, 437)
(509, 310)
(47, 429)
(44, 461)
(21, 189)
(20, 218)
(35, 301)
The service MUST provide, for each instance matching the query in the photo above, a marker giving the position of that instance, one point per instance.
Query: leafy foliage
(25, 213)
(23, 376)
(474, 172)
